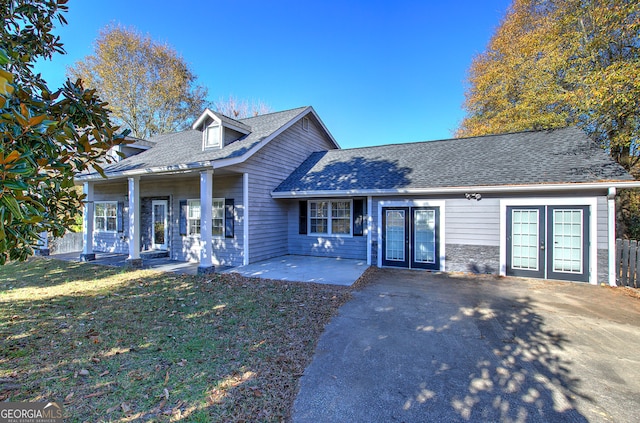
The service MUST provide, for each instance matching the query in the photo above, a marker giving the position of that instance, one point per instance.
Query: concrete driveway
(417, 347)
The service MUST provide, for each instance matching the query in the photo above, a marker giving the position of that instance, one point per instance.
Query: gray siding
(603, 225)
(347, 247)
(471, 222)
(111, 242)
(269, 218)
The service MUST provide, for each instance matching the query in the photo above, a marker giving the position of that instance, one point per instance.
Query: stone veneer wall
(472, 258)
(603, 266)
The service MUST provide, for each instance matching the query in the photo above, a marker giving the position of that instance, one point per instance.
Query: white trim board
(480, 189)
(592, 202)
(414, 203)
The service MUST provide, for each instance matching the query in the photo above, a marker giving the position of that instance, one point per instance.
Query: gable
(182, 151)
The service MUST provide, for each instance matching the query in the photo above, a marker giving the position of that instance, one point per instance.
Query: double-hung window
(330, 217)
(212, 136)
(105, 216)
(193, 217)
(217, 217)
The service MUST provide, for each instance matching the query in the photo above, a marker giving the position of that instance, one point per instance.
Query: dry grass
(119, 346)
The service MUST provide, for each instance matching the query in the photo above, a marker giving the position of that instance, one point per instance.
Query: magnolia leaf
(12, 205)
(4, 59)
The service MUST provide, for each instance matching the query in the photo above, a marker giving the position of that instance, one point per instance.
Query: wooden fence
(627, 263)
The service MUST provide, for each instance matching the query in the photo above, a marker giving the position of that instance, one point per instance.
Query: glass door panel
(525, 241)
(159, 218)
(425, 238)
(395, 237)
(569, 231)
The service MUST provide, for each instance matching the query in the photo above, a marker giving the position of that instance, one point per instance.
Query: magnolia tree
(47, 135)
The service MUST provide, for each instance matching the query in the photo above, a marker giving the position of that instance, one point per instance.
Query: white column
(369, 223)
(245, 221)
(134, 218)
(43, 244)
(44, 240)
(206, 198)
(87, 223)
(611, 220)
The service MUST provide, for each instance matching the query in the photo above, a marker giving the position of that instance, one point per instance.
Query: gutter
(458, 190)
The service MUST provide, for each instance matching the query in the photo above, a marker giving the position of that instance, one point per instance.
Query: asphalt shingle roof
(186, 147)
(543, 157)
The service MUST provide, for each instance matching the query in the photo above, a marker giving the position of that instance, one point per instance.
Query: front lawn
(118, 346)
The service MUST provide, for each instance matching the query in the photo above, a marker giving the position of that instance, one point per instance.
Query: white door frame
(166, 226)
(414, 203)
(592, 202)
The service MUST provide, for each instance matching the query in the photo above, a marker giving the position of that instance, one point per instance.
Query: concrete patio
(326, 270)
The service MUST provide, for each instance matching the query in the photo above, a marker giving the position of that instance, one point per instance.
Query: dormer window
(212, 136)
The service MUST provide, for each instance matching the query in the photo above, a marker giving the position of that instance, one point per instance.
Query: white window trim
(329, 233)
(592, 202)
(189, 234)
(213, 200)
(305, 124)
(205, 136)
(95, 217)
(224, 210)
(416, 203)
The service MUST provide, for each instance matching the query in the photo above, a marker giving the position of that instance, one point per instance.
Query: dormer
(219, 130)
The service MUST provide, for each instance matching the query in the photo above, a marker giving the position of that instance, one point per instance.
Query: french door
(159, 219)
(548, 242)
(410, 237)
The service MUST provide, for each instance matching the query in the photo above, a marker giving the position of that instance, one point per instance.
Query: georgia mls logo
(30, 412)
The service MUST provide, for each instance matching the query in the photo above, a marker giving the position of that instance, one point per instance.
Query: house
(232, 192)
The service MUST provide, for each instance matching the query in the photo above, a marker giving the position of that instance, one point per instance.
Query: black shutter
(358, 217)
(228, 217)
(302, 228)
(183, 218)
(119, 217)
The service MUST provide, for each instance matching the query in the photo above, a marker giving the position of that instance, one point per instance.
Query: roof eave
(457, 190)
(147, 171)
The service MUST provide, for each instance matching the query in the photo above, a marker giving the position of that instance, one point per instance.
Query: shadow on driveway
(414, 346)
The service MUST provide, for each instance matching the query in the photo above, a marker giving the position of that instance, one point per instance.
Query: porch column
(206, 199)
(611, 220)
(43, 244)
(134, 259)
(245, 220)
(87, 224)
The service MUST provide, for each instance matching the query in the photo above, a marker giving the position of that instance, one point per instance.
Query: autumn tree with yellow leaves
(47, 136)
(148, 85)
(555, 63)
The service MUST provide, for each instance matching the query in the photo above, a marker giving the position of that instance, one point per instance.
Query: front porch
(181, 214)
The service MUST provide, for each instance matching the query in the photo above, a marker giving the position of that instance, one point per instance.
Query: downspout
(611, 221)
(245, 220)
(369, 223)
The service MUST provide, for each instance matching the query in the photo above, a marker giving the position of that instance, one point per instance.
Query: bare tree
(239, 109)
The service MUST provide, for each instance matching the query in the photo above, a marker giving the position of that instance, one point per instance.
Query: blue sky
(377, 72)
